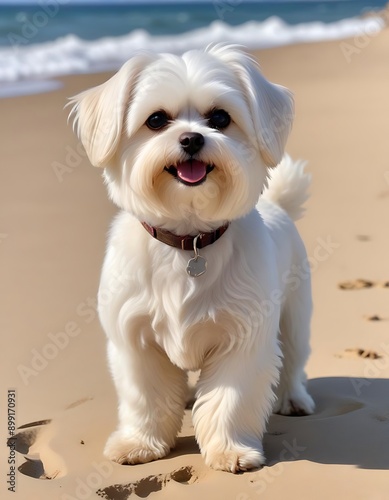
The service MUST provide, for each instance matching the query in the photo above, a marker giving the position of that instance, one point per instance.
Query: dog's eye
(219, 118)
(157, 120)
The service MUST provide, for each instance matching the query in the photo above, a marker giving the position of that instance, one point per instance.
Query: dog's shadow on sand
(349, 427)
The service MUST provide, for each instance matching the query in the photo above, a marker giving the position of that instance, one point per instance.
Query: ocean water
(47, 38)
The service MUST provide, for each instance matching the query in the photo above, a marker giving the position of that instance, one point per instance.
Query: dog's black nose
(191, 142)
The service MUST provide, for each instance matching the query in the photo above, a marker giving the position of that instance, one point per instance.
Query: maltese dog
(199, 274)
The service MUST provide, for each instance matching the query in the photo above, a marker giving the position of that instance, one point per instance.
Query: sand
(53, 224)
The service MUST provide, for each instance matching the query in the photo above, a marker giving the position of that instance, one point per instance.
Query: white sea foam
(72, 55)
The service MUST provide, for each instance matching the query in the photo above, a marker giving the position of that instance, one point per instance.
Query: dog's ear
(271, 106)
(98, 113)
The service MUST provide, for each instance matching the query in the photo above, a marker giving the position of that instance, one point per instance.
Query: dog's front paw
(126, 450)
(295, 403)
(234, 459)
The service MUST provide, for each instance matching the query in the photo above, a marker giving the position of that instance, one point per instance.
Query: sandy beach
(53, 223)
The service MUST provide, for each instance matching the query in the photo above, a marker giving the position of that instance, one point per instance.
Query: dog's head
(185, 141)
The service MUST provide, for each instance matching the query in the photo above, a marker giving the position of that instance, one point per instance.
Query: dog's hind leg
(151, 392)
(292, 395)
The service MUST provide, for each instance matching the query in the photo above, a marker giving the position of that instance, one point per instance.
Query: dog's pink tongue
(192, 171)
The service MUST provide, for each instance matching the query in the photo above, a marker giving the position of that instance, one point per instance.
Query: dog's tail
(288, 187)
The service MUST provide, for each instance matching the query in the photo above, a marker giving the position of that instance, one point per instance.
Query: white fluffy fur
(229, 322)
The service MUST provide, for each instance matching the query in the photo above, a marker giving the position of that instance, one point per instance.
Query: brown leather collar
(185, 242)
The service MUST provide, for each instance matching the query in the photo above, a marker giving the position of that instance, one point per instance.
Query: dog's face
(185, 141)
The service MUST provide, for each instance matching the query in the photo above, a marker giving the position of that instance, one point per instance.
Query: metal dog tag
(197, 265)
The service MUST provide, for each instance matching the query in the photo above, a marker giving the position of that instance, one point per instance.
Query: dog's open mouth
(190, 172)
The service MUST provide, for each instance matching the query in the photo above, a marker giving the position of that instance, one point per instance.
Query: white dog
(196, 275)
